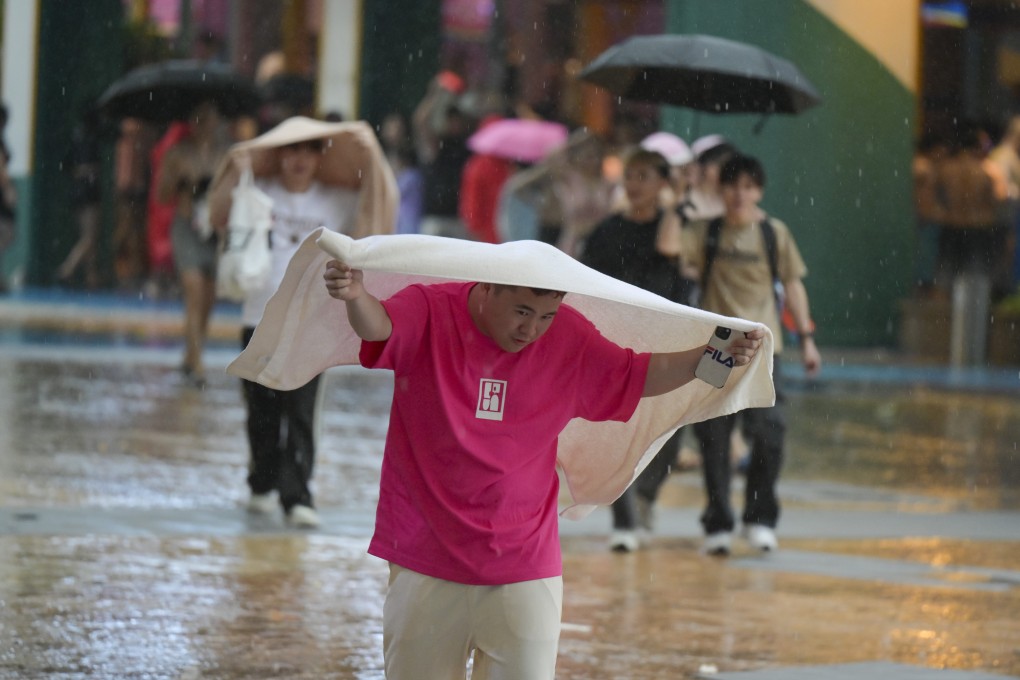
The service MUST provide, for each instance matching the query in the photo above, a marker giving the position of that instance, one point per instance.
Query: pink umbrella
(518, 139)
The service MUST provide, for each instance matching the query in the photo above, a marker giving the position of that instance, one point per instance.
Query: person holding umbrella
(309, 170)
(171, 92)
(184, 177)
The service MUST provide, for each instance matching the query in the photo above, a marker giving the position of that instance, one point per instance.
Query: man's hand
(810, 356)
(745, 346)
(343, 282)
(668, 371)
(366, 314)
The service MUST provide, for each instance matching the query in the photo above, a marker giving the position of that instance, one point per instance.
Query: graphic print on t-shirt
(292, 229)
(491, 399)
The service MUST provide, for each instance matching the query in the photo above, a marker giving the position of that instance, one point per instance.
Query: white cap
(703, 144)
(674, 149)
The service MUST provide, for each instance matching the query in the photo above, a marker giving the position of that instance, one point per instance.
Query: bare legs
(199, 290)
(85, 250)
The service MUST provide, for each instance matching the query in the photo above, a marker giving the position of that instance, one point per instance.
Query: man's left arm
(668, 371)
(797, 303)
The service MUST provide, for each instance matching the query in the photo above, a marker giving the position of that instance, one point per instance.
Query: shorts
(190, 250)
(432, 626)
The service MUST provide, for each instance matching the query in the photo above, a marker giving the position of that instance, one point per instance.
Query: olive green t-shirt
(740, 283)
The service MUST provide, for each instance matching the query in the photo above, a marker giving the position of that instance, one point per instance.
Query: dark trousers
(647, 485)
(766, 430)
(281, 435)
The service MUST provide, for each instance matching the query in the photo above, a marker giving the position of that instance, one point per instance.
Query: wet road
(126, 551)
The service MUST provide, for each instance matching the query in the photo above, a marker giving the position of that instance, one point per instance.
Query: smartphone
(716, 363)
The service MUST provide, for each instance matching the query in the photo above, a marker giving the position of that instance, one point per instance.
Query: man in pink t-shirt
(467, 515)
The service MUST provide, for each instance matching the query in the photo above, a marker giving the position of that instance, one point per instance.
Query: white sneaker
(761, 537)
(624, 541)
(303, 517)
(261, 504)
(718, 544)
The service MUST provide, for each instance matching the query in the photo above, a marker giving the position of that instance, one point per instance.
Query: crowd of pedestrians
(638, 207)
(680, 220)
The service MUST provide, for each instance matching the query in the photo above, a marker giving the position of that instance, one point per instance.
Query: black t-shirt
(442, 177)
(625, 250)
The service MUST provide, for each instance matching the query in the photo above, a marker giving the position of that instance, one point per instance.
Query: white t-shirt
(295, 215)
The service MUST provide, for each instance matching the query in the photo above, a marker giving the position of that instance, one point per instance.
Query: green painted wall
(400, 55)
(838, 174)
(80, 53)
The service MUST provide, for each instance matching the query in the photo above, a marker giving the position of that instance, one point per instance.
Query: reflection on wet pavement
(232, 600)
(301, 606)
(673, 609)
(132, 436)
(282, 606)
(963, 448)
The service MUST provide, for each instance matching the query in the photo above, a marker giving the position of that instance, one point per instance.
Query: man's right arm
(367, 315)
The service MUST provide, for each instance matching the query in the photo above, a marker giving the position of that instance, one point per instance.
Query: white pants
(431, 627)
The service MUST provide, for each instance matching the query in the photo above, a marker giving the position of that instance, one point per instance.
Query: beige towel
(305, 331)
(351, 158)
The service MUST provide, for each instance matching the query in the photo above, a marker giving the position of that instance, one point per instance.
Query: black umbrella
(170, 90)
(704, 73)
(297, 92)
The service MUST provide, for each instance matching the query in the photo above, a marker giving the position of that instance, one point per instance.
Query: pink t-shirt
(469, 489)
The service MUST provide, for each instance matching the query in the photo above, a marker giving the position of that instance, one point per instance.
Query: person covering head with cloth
(184, 178)
(487, 377)
(289, 161)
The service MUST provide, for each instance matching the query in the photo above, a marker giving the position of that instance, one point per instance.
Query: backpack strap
(711, 248)
(768, 234)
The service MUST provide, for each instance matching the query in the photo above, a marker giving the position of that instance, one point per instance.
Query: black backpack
(768, 234)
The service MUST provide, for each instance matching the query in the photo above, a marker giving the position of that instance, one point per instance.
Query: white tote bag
(245, 262)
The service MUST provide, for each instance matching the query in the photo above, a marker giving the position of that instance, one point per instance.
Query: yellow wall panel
(888, 29)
